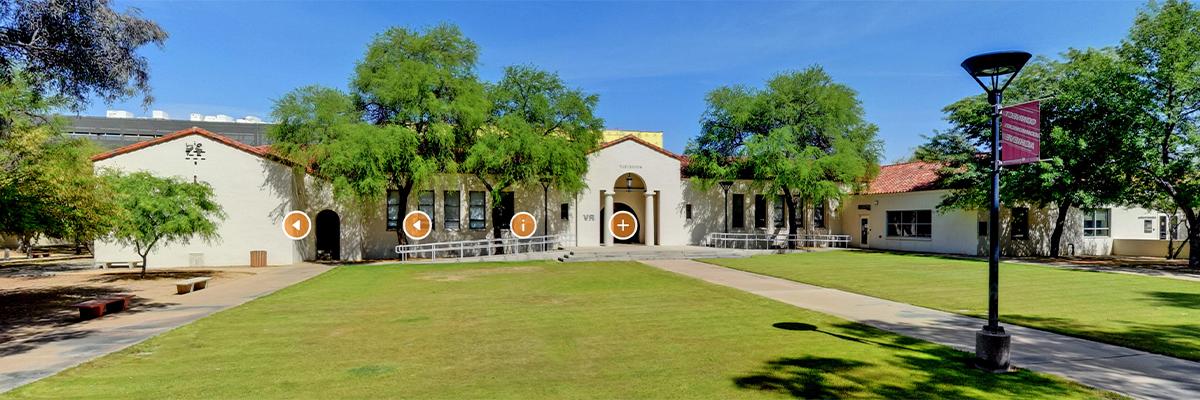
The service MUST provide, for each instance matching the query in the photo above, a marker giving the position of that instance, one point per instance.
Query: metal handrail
(480, 247)
(774, 240)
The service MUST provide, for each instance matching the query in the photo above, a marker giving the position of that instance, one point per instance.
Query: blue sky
(650, 63)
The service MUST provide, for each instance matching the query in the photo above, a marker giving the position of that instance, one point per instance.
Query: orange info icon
(523, 225)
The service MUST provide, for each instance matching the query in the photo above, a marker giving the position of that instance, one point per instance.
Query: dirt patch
(36, 304)
(462, 275)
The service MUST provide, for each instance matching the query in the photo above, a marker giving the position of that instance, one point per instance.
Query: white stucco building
(897, 211)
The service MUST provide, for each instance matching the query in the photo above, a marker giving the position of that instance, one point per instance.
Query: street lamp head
(996, 63)
(725, 185)
(994, 66)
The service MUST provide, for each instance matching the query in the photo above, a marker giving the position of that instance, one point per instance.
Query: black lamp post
(545, 204)
(991, 342)
(725, 185)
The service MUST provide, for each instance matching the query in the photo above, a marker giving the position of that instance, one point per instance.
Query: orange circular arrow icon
(623, 225)
(296, 225)
(523, 225)
(417, 225)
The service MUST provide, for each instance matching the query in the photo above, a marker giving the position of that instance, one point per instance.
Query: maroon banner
(1021, 133)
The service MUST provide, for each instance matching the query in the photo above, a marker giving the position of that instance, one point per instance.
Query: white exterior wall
(660, 172)
(953, 232)
(256, 193)
(252, 190)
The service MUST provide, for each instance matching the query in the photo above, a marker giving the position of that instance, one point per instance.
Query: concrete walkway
(45, 355)
(1131, 372)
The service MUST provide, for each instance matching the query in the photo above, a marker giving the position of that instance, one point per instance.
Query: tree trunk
(1193, 237)
(791, 218)
(144, 264)
(1059, 222)
(403, 191)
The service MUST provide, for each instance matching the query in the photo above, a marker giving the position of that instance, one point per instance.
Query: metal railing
(774, 240)
(477, 248)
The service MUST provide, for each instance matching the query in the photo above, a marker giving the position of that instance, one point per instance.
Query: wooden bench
(103, 305)
(189, 285)
(125, 264)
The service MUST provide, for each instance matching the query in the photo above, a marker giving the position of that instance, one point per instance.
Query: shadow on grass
(1175, 340)
(925, 370)
(1176, 299)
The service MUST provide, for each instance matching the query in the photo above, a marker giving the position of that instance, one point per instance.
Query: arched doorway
(628, 194)
(637, 237)
(329, 236)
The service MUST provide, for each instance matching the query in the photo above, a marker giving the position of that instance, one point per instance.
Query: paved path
(1130, 372)
(48, 354)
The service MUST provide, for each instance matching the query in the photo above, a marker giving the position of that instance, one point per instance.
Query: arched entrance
(637, 237)
(329, 236)
(630, 193)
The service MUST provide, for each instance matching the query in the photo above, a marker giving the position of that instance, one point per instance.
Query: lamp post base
(992, 350)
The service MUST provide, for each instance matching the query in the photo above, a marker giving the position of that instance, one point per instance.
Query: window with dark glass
(799, 213)
(910, 223)
(737, 214)
(760, 211)
(393, 210)
(779, 216)
(687, 211)
(477, 211)
(983, 228)
(819, 215)
(451, 208)
(1096, 222)
(1020, 223)
(425, 203)
(564, 211)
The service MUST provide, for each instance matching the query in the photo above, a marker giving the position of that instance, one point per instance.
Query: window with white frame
(1096, 222)
(910, 223)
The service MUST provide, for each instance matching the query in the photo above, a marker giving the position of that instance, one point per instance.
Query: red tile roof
(905, 177)
(176, 135)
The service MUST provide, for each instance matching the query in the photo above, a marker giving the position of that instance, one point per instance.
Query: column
(608, 209)
(648, 221)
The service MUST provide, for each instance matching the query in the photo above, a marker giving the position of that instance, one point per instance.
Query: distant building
(652, 137)
(120, 128)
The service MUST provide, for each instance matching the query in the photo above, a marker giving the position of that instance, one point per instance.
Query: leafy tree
(76, 48)
(803, 136)
(1161, 48)
(159, 211)
(47, 187)
(413, 108)
(539, 129)
(1083, 128)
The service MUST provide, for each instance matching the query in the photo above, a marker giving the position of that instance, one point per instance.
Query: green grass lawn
(1159, 315)
(531, 330)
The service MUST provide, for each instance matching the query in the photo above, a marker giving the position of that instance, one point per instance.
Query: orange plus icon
(623, 225)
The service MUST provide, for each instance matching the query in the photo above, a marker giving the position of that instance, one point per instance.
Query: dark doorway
(329, 236)
(604, 224)
(865, 226)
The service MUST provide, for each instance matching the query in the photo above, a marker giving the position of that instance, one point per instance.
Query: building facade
(896, 212)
